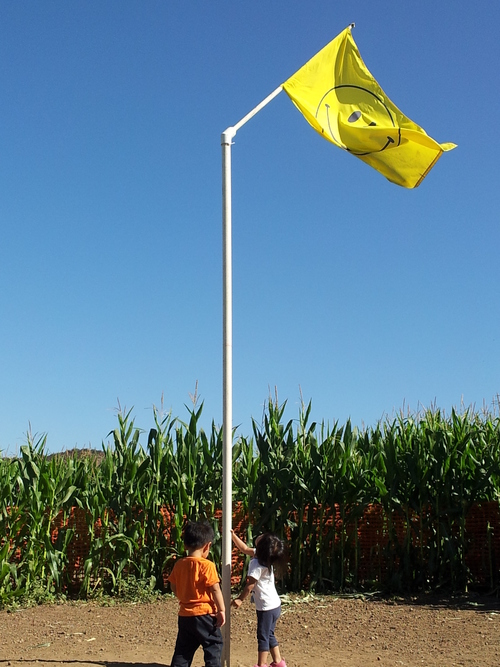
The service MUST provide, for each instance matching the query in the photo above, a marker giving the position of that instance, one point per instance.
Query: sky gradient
(349, 291)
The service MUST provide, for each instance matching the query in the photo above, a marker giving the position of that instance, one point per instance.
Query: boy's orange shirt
(192, 578)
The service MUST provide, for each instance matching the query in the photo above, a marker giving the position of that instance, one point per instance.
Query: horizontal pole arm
(230, 133)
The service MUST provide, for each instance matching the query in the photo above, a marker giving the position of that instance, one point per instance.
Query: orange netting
(367, 536)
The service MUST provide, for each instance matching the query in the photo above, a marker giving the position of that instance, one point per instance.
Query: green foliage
(312, 484)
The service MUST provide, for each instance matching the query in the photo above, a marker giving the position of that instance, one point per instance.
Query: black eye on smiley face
(356, 115)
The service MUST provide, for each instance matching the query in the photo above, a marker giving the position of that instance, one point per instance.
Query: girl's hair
(270, 552)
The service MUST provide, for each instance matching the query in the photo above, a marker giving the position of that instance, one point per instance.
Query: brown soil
(313, 632)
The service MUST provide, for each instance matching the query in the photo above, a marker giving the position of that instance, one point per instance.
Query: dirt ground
(312, 631)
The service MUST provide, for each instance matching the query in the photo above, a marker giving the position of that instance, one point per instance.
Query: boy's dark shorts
(193, 632)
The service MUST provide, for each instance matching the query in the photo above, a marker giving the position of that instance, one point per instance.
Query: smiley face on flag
(358, 120)
(340, 98)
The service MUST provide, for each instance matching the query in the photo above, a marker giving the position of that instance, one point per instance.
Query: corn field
(410, 504)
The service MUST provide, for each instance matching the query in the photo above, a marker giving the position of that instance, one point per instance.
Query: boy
(195, 583)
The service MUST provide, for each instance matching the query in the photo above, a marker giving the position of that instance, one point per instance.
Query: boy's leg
(187, 642)
(210, 639)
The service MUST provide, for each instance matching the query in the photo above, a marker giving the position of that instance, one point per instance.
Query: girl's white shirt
(264, 593)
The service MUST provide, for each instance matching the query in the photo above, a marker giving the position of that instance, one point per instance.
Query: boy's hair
(270, 551)
(197, 534)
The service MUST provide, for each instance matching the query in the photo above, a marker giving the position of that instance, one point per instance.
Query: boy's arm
(249, 551)
(171, 581)
(219, 603)
(249, 586)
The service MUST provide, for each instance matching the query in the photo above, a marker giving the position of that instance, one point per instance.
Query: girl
(269, 553)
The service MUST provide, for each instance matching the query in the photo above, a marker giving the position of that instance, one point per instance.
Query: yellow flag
(342, 101)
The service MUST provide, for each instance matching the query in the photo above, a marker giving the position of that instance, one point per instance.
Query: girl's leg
(262, 659)
(275, 652)
(273, 642)
(263, 625)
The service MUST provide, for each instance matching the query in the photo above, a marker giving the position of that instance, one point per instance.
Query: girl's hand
(236, 603)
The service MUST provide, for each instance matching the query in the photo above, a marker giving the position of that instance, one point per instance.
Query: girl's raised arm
(249, 551)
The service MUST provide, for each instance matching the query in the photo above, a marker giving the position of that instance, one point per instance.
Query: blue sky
(360, 295)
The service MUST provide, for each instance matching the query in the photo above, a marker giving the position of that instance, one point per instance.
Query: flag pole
(227, 370)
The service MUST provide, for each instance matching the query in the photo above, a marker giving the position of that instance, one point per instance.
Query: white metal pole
(227, 371)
